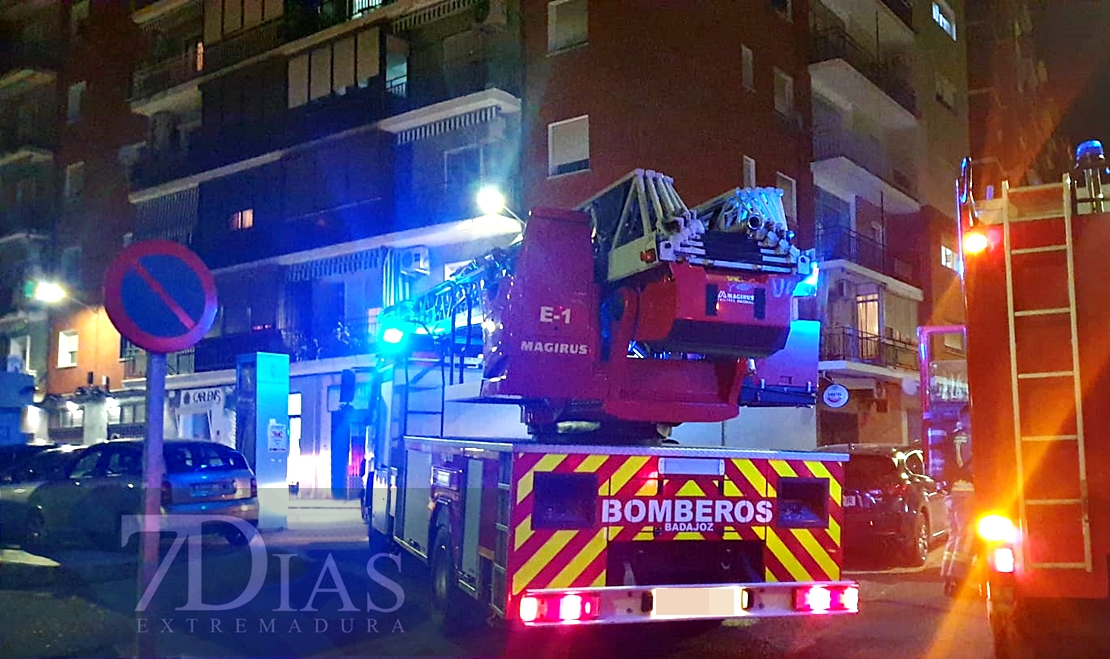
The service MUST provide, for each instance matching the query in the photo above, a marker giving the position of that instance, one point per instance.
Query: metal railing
(891, 78)
(135, 363)
(343, 339)
(299, 22)
(159, 76)
(843, 243)
(834, 143)
(853, 345)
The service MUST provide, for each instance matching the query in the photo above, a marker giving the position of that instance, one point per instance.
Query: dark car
(889, 501)
(13, 455)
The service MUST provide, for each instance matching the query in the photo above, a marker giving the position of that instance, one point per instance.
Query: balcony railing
(135, 363)
(852, 345)
(868, 154)
(297, 23)
(841, 243)
(344, 339)
(891, 78)
(159, 76)
(903, 9)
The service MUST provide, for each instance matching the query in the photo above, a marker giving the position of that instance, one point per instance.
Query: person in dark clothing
(960, 503)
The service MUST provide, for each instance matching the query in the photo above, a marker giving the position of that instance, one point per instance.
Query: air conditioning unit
(414, 261)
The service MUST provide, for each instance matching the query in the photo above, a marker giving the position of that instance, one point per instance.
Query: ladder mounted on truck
(1034, 227)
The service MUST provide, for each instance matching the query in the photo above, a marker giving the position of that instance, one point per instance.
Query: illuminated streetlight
(49, 292)
(490, 200)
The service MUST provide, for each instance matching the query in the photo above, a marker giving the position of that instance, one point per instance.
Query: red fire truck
(1038, 367)
(524, 414)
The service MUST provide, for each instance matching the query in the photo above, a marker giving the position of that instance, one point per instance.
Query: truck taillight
(568, 608)
(826, 599)
(1002, 559)
(976, 242)
(254, 488)
(167, 493)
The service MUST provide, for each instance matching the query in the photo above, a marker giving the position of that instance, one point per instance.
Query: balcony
(839, 244)
(850, 165)
(848, 344)
(24, 64)
(135, 363)
(344, 339)
(154, 77)
(26, 147)
(903, 9)
(841, 67)
(298, 23)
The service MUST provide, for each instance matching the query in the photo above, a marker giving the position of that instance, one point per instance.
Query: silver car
(104, 482)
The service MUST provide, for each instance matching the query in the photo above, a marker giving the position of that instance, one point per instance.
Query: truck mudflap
(641, 604)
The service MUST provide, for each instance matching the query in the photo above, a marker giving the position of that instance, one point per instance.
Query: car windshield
(865, 471)
(47, 465)
(185, 458)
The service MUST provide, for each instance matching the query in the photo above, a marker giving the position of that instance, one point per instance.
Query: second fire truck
(522, 445)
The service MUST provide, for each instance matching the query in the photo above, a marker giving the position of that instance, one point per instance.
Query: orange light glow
(975, 242)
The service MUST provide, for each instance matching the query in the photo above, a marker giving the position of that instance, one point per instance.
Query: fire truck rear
(1039, 374)
(522, 450)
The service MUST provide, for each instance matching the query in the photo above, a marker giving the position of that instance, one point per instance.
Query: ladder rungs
(1050, 438)
(1043, 312)
(1059, 566)
(1046, 374)
(1039, 250)
(1053, 502)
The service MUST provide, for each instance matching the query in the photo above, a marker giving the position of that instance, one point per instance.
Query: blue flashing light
(1090, 147)
(393, 336)
(808, 286)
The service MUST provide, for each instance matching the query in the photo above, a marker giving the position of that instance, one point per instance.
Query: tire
(236, 538)
(915, 549)
(450, 608)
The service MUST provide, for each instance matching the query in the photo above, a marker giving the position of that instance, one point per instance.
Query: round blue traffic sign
(160, 296)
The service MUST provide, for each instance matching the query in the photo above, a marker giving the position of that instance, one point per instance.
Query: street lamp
(491, 201)
(49, 292)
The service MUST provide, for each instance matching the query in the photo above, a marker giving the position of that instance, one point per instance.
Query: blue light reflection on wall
(807, 286)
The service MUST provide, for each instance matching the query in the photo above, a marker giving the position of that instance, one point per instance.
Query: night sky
(1074, 39)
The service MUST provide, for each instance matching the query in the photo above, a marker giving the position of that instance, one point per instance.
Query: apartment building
(1014, 114)
(890, 110)
(323, 159)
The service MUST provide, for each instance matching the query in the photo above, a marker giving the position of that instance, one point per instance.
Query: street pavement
(316, 597)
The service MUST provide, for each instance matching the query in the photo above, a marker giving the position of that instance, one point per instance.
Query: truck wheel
(916, 549)
(449, 605)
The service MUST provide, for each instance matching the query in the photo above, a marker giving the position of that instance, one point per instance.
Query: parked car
(889, 501)
(18, 484)
(12, 455)
(89, 495)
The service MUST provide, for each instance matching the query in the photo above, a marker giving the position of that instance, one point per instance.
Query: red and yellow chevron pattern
(542, 558)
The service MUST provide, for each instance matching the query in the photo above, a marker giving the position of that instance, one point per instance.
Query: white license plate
(850, 501)
(725, 602)
(209, 489)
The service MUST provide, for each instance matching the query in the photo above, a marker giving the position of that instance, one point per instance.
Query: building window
(948, 258)
(747, 67)
(73, 101)
(945, 18)
(464, 166)
(954, 341)
(566, 24)
(568, 146)
(200, 56)
(19, 354)
(334, 68)
(867, 313)
(67, 349)
(789, 197)
(946, 92)
(749, 172)
(75, 180)
(784, 93)
(241, 220)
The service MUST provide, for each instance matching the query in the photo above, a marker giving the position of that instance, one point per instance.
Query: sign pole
(153, 472)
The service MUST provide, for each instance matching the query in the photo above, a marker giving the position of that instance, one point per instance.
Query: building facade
(890, 110)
